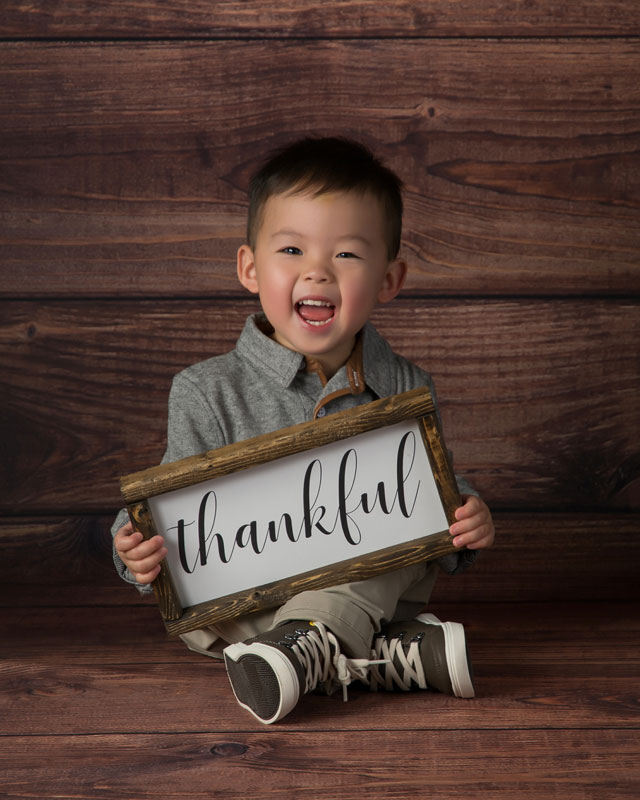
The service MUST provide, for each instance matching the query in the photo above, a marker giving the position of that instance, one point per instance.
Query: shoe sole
(258, 669)
(455, 648)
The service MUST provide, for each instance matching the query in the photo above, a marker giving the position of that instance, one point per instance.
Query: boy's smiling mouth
(315, 311)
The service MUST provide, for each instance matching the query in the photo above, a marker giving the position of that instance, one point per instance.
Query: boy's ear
(247, 269)
(393, 280)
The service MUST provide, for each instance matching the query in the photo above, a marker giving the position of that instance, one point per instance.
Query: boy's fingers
(148, 563)
(147, 548)
(472, 506)
(466, 525)
(484, 541)
(482, 536)
(127, 541)
(147, 577)
(126, 530)
(136, 546)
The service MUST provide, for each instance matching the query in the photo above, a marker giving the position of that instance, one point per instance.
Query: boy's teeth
(316, 312)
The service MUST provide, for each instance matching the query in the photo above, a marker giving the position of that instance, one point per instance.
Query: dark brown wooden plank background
(127, 135)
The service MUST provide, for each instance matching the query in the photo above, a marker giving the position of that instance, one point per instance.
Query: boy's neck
(353, 364)
(326, 371)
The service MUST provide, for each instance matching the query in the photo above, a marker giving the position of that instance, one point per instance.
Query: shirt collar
(255, 344)
(282, 365)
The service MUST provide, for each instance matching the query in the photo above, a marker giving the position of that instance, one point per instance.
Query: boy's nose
(316, 277)
(319, 272)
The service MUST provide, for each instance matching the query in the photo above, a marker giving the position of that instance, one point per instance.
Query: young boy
(322, 250)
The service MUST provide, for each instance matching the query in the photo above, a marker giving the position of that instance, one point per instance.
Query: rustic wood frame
(138, 487)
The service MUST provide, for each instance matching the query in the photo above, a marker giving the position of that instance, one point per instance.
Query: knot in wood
(229, 749)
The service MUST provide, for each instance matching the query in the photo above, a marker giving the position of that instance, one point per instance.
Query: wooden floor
(97, 703)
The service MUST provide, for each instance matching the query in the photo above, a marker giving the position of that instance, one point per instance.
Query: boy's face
(320, 265)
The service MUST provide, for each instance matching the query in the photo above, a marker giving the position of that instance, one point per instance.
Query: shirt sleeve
(192, 426)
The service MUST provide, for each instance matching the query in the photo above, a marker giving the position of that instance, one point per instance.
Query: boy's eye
(347, 254)
(292, 251)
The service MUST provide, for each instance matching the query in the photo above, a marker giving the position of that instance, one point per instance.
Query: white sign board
(342, 500)
(326, 502)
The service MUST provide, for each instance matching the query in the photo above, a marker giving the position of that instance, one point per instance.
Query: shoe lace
(324, 664)
(391, 652)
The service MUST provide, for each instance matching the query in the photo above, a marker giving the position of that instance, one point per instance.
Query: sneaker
(270, 672)
(422, 654)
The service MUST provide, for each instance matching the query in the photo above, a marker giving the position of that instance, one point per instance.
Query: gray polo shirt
(261, 386)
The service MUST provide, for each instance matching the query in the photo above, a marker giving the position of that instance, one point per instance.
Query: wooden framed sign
(334, 500)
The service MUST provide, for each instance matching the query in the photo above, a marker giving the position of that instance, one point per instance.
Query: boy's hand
(473, 527)
(142, 556)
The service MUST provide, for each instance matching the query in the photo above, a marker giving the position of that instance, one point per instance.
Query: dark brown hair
(321, 165)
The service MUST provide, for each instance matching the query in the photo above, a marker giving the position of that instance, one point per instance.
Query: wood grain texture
(539, 398)
(459, 764)
(52, 550)
(125, 165)
(441, 465)
(309, 18)
(551, 558)
(500, 634)
(541, 637)
(535, 666)
(536, 558)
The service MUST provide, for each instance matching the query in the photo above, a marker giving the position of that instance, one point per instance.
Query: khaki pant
(354, 612)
